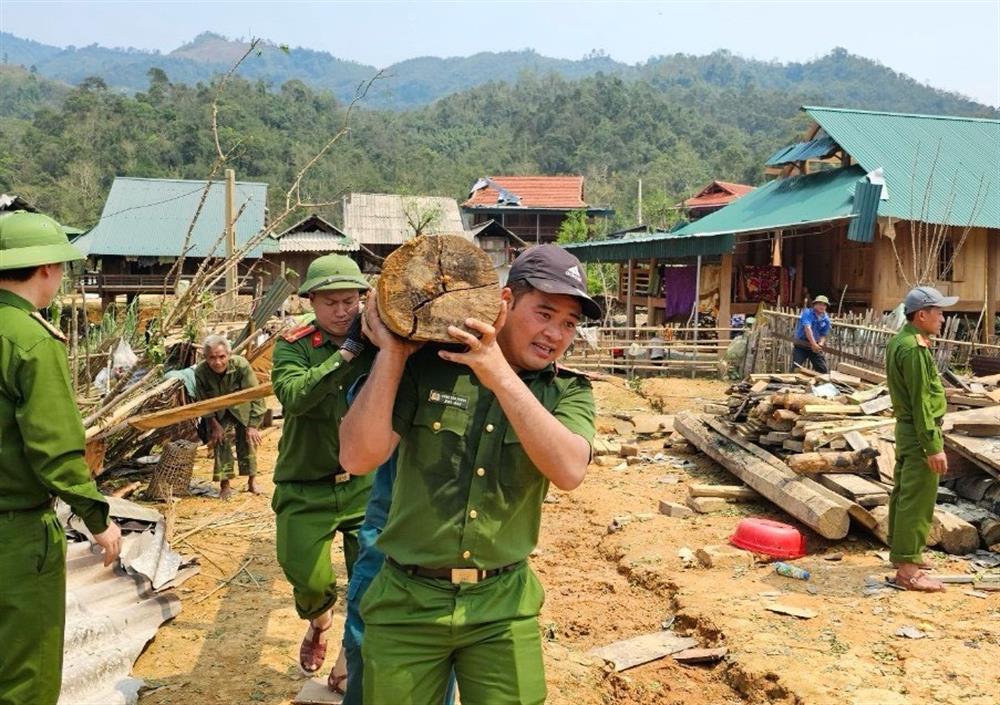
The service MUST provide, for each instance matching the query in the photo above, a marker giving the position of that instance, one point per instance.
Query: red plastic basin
(772, 538)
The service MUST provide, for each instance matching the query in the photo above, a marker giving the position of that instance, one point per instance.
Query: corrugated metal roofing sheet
(785, 203)
(150, 218)
(954, 160)
(316, 242)
(381, 218)
(661, 244)
(818, 148)
(564, 192)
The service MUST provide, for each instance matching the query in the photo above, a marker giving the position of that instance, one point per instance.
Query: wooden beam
(736, 492)
(168, 417)
(725, 296)
(851, 461)
(865, 374)
(773, 480)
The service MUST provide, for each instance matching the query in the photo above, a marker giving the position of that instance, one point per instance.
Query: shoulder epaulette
(562, 370)
(56, 333)
(299, 333)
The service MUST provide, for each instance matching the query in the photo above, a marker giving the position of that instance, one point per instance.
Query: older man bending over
(218, 374)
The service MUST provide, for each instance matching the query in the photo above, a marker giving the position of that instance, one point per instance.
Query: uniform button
(436, 425)
(340, 387)
(467, 555)
(473, 514)
(481, 471)
(336, 365)
(489, 428)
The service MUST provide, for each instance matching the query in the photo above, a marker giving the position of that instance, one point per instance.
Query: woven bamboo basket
(172, 475)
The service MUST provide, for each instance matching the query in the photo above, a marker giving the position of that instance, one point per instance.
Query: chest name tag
(448, 399)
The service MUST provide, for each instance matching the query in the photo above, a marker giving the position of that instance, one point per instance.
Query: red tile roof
(717, 193)
(535, 191)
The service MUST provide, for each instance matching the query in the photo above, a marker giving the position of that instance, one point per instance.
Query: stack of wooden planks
(821, 446)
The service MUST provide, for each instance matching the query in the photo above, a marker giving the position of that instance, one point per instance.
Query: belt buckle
(341, 479)
(464, 575)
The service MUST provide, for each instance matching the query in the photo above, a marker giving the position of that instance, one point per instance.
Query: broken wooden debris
(638, 650)
(168, 417)
(700, 655)
(773, 479)
(734, 492)
(672, 509)
(791, 610)
(707, 505)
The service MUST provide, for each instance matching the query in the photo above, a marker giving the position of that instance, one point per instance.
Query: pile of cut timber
(821, 446)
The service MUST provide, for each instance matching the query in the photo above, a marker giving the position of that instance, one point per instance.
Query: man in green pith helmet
(919, 405)
(41, 457)
(314, 498)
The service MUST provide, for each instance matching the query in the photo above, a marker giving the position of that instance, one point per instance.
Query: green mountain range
(838, 77)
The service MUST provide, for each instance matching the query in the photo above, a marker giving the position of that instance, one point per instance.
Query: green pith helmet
(331, 273)
(31, 239)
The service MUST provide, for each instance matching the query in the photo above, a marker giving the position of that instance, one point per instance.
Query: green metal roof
(953, 160)
(150, 218)
(784, 203)
(661, 244)
(813, 149)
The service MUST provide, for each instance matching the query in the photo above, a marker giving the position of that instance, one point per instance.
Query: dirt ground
(236, 641)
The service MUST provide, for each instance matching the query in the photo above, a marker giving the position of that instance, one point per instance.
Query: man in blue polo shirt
(810, 334)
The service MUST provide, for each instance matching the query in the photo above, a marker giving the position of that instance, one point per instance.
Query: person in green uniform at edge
(41, 457)
(480, 434)
(314, 497)
(919, 404)
(222, 373)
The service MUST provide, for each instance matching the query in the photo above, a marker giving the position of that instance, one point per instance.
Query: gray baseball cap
(926, 296)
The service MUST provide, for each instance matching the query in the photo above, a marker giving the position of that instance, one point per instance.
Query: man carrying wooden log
(919, 404)
(314, 497)
(481, 433)
(810, 334)
(222, 373)
(41, 457)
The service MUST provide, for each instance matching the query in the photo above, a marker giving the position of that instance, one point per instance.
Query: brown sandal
(919, 582)
(312, 650)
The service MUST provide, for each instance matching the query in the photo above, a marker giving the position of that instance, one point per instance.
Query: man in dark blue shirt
(810, 334)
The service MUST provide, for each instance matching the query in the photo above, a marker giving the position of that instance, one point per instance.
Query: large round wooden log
(851, 461)
(436, 281)
(774, 481)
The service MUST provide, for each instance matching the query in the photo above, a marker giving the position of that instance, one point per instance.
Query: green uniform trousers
(32, 607)
(234, 433)
(914, 494)
(418, 629)
(308, 515)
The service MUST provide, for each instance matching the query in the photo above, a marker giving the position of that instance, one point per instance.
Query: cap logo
(574, 272)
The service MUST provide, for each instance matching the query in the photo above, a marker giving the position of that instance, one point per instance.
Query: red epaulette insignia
(299, 333)
(317, 339)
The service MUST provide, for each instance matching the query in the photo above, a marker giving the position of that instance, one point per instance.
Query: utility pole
(230, 239)
(639, 214)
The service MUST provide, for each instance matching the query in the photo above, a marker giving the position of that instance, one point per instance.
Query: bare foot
(252, 487)
(225, 491)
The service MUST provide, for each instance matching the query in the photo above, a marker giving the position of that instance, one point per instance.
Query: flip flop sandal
(337, 683)
(919, 582)
(312, 650)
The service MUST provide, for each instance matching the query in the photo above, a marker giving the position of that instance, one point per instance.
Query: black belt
(453, 575)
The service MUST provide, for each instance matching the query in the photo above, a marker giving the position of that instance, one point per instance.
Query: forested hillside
(683, 122)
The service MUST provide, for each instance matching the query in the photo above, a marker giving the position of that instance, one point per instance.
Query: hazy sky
(953, 45)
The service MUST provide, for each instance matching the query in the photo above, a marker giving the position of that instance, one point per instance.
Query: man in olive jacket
(222, 373)
(41, 457)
